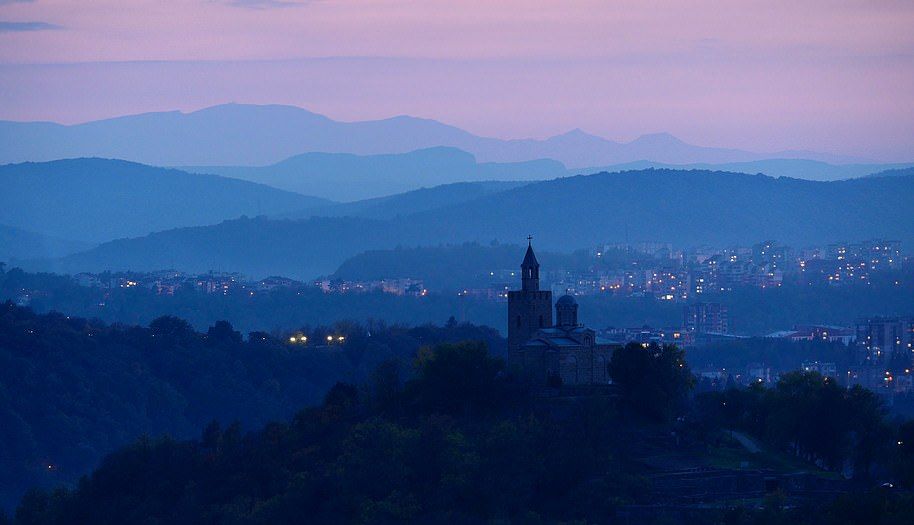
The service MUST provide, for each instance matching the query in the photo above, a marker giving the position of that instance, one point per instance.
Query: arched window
(518, 321)
(541, 321)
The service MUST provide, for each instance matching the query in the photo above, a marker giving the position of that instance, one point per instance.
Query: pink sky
(833, 76)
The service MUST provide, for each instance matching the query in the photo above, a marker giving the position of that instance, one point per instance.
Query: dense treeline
(812, 417)
(468, 265)
(758, 311)
(462, 442)
(73, 390)
(779, 354)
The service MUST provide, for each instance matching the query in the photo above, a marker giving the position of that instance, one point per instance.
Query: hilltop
(681, 207)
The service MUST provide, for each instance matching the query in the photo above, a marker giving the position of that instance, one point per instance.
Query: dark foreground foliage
(73, 390)
(814, 418)
(455, 444)
(458, 442)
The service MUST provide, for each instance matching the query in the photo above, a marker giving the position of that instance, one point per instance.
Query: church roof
(559, 337)
(563, 341)
(529, 258)
(566, 300)
(552, 341)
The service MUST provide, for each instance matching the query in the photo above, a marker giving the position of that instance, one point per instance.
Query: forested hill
(896, 172)
(452, 267)
(463, 441)
(97, 200)
(73, 390)
(686, 208)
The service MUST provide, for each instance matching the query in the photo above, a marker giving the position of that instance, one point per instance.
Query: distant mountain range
(793, 168)
(248, 135)
(407, 203)
(683, 207)
(96, 200)
(897, 172)
(348, 177)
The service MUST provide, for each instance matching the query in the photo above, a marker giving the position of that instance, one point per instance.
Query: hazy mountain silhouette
(253, 246)
(249, 135)
(97, 200)
(682, 207)
(16, 243)
(408, 203)
(348, 177)
(897, 172)
(794, 168)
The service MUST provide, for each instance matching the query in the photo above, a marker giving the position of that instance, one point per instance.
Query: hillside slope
(682, 207)
(16, 243)
(97, 200)
(686, 208)
(410, 202)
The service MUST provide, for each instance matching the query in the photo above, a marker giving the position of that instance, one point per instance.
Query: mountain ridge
(349, 177)
(255, 135)
(686, 208)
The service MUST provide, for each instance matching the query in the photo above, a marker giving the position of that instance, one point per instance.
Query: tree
(653, 381)
(457, 379)
(173, 330)
(222, 333)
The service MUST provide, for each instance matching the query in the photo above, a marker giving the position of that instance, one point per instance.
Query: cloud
(15, 27)
(263, 4)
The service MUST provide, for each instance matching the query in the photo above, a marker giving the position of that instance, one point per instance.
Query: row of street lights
(303, 339)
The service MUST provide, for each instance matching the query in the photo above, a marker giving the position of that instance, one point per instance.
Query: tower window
(541, 321)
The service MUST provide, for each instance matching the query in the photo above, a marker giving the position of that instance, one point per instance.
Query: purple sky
(828, 75)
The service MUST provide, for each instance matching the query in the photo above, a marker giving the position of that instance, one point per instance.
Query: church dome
(566, 300)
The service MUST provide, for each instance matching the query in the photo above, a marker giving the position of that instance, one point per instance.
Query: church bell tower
(529, 309)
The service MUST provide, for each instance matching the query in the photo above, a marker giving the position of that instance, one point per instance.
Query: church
(544, 352)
